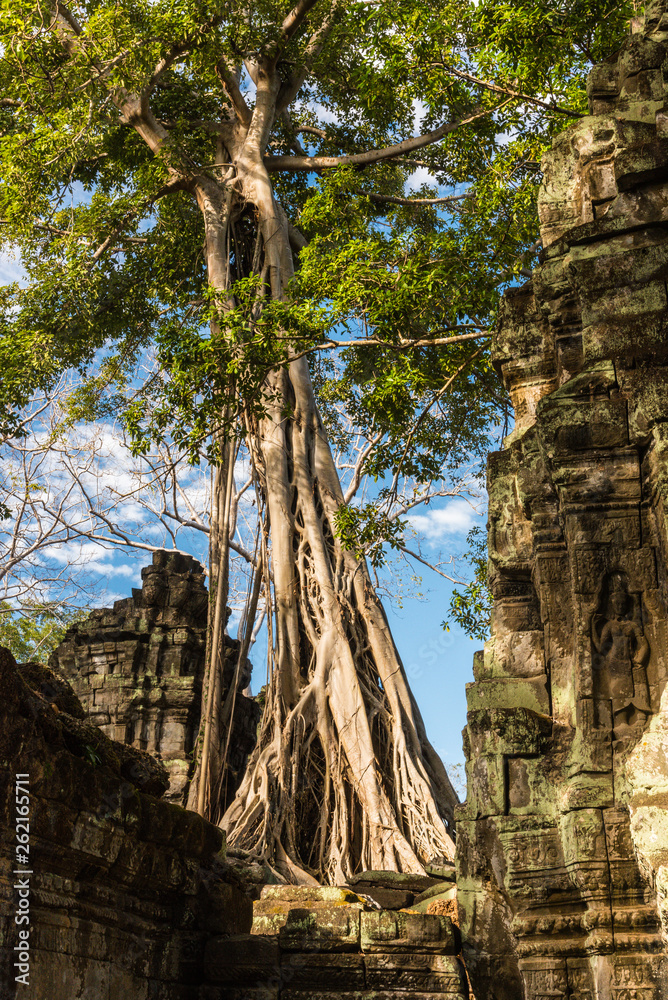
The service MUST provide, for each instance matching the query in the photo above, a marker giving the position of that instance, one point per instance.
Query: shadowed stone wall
(563, 840)
(121, 889)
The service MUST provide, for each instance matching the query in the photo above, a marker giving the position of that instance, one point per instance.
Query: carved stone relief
(563, 839)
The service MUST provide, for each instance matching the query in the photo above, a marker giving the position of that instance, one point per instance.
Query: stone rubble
(315, 943)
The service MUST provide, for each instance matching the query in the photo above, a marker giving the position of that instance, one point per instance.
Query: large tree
(226, 183)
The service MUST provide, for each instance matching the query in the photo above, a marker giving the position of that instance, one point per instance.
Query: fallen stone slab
(405, 881)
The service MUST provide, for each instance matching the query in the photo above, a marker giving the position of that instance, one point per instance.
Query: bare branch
(401, 345)
(359, 467)
(395, 200)
(414, 555)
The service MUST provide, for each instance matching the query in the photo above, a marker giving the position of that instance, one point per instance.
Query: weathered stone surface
(371, 994)
(323, 971)
(311, 896)
(271, 911)
(562, 847)
(429, 973)
(405, 881)
(328, 947)
(137, 669)
(328, 928)
(242, 960)
(442, 889)
(388, 899)
(389, 931)
(124, 888)
(236, 993)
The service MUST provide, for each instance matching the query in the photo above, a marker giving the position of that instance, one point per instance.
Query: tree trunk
(210, 764)
(343, 777)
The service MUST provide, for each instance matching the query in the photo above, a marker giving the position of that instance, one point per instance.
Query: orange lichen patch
(444, 908)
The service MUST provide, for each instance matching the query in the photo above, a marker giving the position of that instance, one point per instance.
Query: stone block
(404, 881)
(498, 731)
(388, 899)
(486, 786)
(442, 872)
(429, 973)
(436, 891)
(545, 976)
(529, 788)
(224, 908)
(312, 896)
(388, 931)
(534, 858)
(334, 928)
(208, 992)
(370, 995)
(270, 912)
(530, 693)
(442, 901)
(513, 654)
(241, 960)
(322, 971)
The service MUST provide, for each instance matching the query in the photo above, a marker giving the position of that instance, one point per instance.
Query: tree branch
(291, 88)
(293, 21)
(402, 345)
(414, 555)
(274, 163)
(515, 94)
(394, 200)
(230, 82)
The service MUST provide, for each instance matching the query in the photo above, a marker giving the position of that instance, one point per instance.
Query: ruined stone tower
(563, 840)
(138, 669)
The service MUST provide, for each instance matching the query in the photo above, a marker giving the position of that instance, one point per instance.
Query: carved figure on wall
(623, 652)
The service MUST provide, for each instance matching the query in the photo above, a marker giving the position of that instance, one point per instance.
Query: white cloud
(10, 269)
(418, 178)
(456, 518)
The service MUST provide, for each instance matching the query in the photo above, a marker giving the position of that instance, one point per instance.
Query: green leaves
(33, 632)
(103, 210)
(471, 607)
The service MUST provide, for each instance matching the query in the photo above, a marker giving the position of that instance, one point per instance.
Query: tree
(180, 127)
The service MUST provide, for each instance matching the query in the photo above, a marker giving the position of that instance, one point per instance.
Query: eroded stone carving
(620, 674)
(563, 840)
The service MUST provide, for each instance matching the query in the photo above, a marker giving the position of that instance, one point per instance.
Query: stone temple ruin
(138, 670)
(561, 883)
(562, 844)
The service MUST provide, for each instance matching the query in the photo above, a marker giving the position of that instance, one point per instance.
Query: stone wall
(123, 889)
(330, 944)
(563, 840)
(138, 668)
